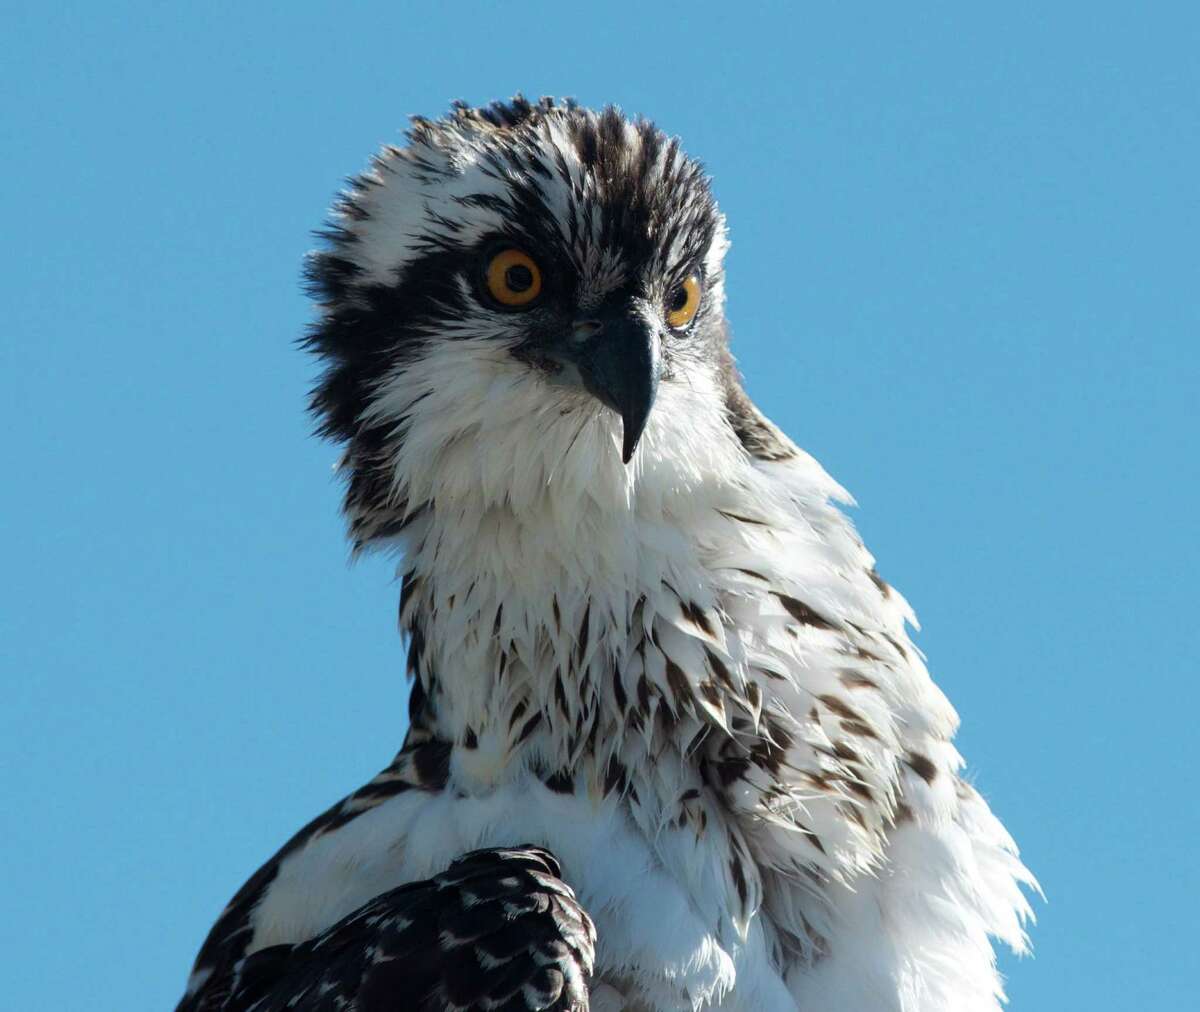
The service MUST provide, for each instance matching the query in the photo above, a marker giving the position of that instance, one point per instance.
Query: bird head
(516, 284)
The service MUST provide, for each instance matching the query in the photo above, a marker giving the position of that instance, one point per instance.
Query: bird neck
(516, 623)
(536, 618)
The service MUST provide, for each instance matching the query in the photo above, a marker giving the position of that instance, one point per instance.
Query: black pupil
(519, 278)
(679, 299)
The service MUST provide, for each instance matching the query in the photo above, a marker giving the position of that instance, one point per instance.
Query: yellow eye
(683, 302)
(513, 278)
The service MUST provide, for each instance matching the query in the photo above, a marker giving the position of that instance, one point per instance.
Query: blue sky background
(964, 275)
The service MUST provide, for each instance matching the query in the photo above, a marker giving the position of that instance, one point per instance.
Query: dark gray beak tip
(630, 444)
(635, 413)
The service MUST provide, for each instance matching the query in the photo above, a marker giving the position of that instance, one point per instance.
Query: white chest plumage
(689, 686)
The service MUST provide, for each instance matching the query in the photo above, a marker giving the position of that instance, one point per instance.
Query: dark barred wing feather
(498, 930)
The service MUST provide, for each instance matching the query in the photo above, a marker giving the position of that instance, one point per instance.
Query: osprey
(670, 745)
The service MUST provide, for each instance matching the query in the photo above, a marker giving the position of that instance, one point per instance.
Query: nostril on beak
(585, 329)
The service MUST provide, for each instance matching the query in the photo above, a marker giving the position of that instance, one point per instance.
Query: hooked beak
(619, 360)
